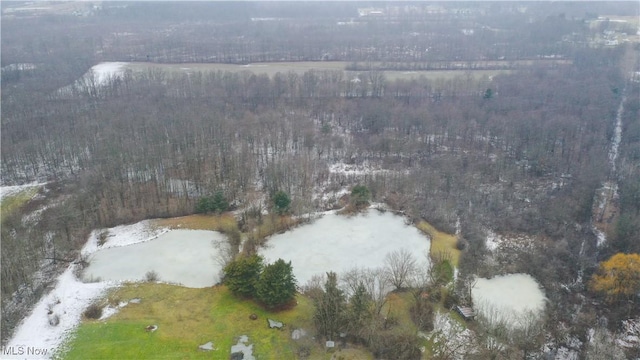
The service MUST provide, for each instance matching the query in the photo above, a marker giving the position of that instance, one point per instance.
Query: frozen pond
(340, 243)
(508, 297)
(188, 257)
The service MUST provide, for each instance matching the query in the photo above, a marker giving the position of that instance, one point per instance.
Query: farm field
(301, 67)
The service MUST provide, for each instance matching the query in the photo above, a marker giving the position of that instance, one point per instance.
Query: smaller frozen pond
(508, 297)
(187, 257)
(340, 243)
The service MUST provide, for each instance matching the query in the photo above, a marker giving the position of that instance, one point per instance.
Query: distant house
(466, 312)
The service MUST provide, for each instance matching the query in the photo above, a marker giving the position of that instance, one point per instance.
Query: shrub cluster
(273, 285)
(212, 204)
(94, 311)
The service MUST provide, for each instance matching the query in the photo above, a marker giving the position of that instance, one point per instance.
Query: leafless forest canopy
(523, 151)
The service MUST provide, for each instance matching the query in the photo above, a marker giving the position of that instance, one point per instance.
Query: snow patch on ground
(601, 237)
(68, 301)
(243, 347)
(123, 235)
(34, 217)
(617, 136)
(460, 341)
(566, 354)
(108, 311)
(630, 335)
(334, 195)
(495, 242)
(356, 170)
(107, 70)
(93, 80)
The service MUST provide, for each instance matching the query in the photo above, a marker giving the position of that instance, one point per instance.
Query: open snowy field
(106, 70)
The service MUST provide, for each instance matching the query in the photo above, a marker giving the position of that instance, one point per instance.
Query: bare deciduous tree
(602, 346)
(400, 265)
(375, 281)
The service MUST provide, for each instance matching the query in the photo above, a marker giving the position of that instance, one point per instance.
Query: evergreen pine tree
(277, 284)
(330, 309)
(242, 275)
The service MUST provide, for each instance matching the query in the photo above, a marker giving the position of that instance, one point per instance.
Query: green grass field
(186, 318)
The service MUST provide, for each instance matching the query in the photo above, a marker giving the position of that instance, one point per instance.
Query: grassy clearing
(441, 242)
(397, 306)
(186, 318)
(15, 201)
(224, 223)
(227, 223)
(272, 224)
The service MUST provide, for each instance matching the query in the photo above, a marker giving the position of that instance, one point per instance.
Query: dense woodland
(520, 152)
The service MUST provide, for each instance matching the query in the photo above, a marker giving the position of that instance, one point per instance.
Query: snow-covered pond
(508, 297)
(340, 243)
(187, 257)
